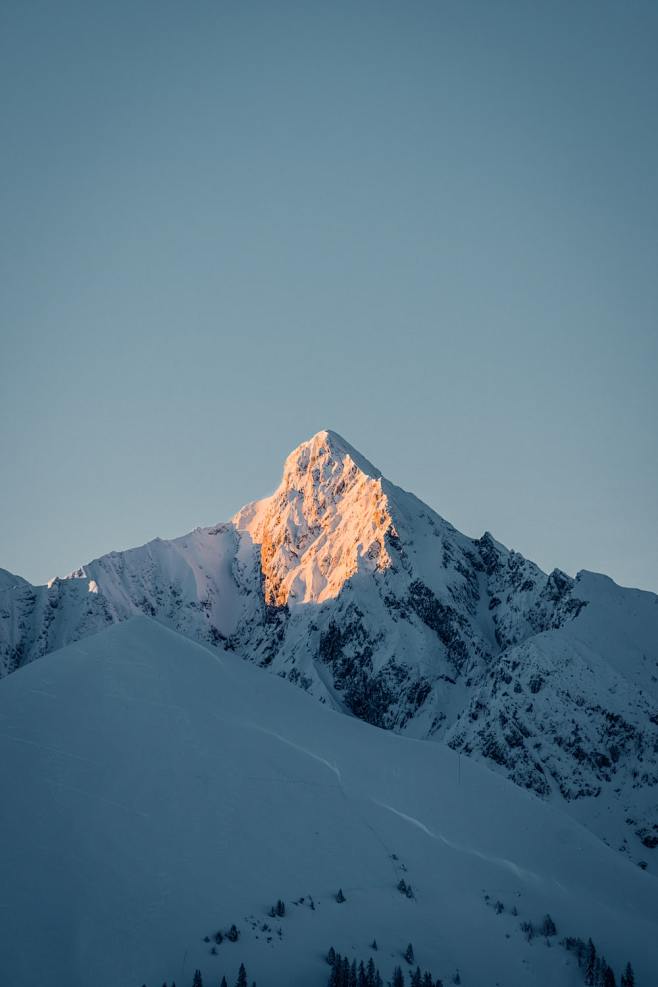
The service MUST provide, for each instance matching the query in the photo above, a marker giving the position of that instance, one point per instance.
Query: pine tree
(340, 897)
(242, 977)
(371, 973)
(628, 977)
(590, 963)
(398, 977)
(548, 927)
(578, 947)
(335, 977)
(599, 969)
(456, 979)
(361, 976)
(609, 977)
(417, 978)
(373, 944)
(223, 983)
(409, 954)
(233, 934)
(280, 908)
(198, 979)
(428, 980)
(352, 982)
(331, 956)
(345, 972)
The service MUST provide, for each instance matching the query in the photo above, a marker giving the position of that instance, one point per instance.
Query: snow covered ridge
(165, 799)
(355, 590)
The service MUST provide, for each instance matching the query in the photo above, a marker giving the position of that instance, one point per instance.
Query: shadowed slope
(156, 791)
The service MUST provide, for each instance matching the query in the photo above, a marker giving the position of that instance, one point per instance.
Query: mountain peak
(327, 520)
(327, 447)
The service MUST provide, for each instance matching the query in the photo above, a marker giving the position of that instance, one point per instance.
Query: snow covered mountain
(158, 792)
(355, 590)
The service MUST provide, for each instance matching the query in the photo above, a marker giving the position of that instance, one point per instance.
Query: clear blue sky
(432, 227)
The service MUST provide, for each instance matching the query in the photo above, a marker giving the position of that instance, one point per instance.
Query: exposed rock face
(328, 520)
(365, 597)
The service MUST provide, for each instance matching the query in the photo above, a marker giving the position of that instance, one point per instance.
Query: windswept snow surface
(355, 590)
(156, 790)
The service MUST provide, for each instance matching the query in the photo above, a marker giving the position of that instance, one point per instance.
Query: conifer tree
(548, 927)
(335, 977)
(398, 977)
(242, 977)
(590, 963)
(331, 956)
(608, 977)
(628, 977)
(198, 979)
(361, 976)
(599, 969)
(409, 954)
(223, 983)
(417, 978)
(352, 982)
(340, 897)
(345, 972)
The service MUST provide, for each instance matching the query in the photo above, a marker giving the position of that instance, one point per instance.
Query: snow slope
(358, 592)
(157, 790)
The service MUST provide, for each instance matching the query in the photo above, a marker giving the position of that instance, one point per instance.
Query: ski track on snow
(518, 872)
(302, 750)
